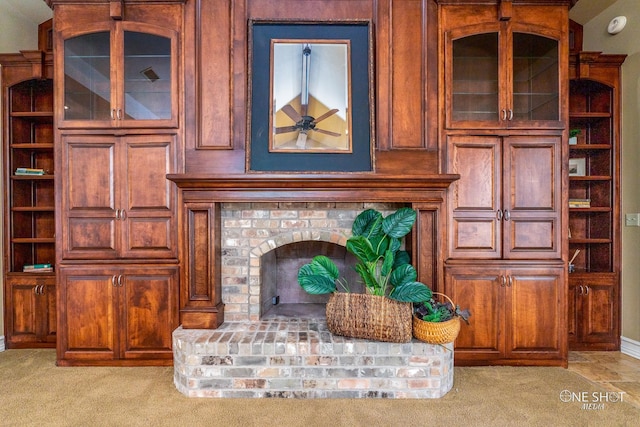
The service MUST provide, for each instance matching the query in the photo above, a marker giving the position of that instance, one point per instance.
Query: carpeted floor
(34, 392)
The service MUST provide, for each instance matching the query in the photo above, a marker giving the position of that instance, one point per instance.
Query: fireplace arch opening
(280, 293)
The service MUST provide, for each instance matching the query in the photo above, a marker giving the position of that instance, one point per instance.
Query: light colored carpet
(34, 392)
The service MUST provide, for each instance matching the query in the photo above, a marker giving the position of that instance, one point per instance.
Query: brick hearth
(300, 358)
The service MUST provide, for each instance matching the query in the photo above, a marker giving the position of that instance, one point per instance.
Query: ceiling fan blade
(292, 113)
(326, 132)
(325, 115)
(286, 129)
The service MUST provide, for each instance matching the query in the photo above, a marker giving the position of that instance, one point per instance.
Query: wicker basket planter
(369, 317)
(437, 332)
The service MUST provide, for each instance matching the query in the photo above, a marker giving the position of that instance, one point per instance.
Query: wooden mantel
(315, 187)
(201, 306)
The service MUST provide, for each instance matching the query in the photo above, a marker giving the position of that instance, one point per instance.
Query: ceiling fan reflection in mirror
(305, 123)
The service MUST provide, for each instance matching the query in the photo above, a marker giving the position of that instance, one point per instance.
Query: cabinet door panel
(90, 174)
(23, 326)
(149, 313)
(479, 291)
(597, 309)
(532, 197)
(536, 312)
(88, 317)
(48, 314)
(475, 197)
(89, 198)
(149, 226)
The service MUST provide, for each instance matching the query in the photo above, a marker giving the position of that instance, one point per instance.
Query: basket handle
(444, 295)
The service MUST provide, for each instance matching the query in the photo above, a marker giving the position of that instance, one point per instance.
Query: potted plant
(438, 322)
(573, 136)
(389, 280)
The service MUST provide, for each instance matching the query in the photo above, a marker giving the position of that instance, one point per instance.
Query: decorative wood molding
(316, 187)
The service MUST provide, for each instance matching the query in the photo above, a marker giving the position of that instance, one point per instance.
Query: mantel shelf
(317, 187)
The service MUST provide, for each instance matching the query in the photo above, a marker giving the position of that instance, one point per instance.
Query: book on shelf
(579, 203)
(37, 268)
(29, 171)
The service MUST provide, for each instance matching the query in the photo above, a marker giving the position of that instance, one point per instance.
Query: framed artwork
(311, 103)
(577, 167)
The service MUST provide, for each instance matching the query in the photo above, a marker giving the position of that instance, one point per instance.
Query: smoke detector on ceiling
(617, 24)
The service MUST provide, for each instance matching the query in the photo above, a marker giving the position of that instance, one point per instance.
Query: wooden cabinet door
(476, 198)
(88, 322)
(481, 290)
(535, 308)
(148, 312)
(48, 323)
(147, 205)
(90, 197)
(30, 311)
(531, 200)
(597, 320)
(116, 200)
(516, 313)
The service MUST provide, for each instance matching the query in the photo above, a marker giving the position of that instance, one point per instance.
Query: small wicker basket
(436, 332)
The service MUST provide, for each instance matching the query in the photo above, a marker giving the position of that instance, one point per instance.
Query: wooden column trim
(116, 10)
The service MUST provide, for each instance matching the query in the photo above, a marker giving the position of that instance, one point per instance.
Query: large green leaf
(411, 292)
(403, 274)
(402, 258)
(399, 223)
(379, 243)
(319, 276)
(315, 284)
(323, 266)
(361, 248)
(367, 223)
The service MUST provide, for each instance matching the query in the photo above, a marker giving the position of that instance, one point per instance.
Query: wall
(596, 38)
(19, 32)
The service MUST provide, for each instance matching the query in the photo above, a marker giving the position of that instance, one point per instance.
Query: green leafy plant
(383, 266)
(435, 311)
(574, 132)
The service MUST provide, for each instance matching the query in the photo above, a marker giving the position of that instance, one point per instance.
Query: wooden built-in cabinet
(504, 86)
(594, 201)
(502, 71)
(515, 313)
(117, 202)
(506, 204)
(118, 136)
(29, 200)
(117, 314)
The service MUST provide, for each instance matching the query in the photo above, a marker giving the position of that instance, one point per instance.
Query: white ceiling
(35, 11)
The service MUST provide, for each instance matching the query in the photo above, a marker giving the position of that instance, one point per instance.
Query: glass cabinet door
(87, 77)
(501, 78)
(475, 83)
(121, 74)
(536, 85)
(147, 76)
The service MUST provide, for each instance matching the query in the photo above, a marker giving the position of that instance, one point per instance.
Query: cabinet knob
(507, 215)
(499, 215)
(504, 114)
(510, 114)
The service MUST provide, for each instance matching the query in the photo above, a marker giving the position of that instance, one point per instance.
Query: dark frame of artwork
(359, 119)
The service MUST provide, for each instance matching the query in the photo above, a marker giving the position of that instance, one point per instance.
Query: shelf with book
(29, 172)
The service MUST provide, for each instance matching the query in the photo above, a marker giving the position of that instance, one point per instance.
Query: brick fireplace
(248, 330)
